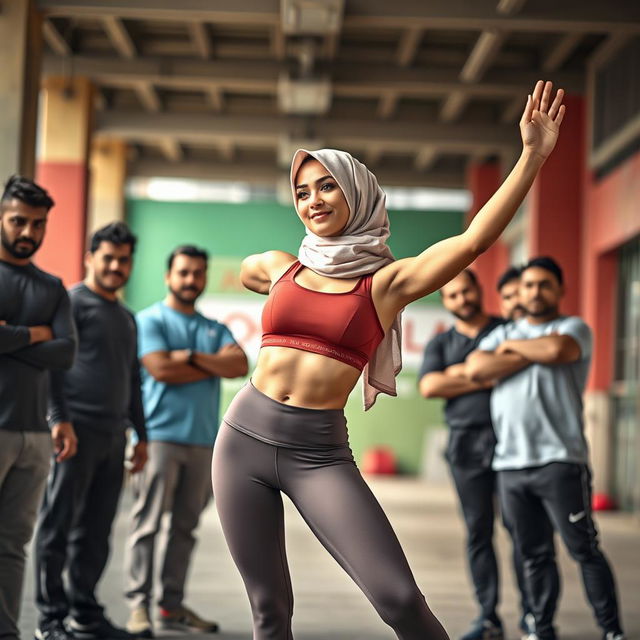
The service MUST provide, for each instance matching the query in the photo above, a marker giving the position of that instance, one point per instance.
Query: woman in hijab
(332, 314)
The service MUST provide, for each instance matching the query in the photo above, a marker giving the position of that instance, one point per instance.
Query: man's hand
(40, 333)
(65, 441)
(180, 355)
(456, 370)
(139, 457)
(504, 348)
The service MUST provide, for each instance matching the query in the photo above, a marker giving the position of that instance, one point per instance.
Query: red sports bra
(344, 326)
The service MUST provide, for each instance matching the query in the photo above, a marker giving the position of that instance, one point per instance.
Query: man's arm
(166, 367)
(14, 337)
(449, 384)
(229, 362)
(484, 366)
(58, 352)
(553, 349)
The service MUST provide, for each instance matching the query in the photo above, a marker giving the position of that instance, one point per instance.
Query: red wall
(612, 217)
(64, 244)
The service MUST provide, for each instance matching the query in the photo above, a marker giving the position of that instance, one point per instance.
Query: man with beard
(471, 443)
(184, 356)
(508, 289)
(37, 336)
(100, 396)
(541, 363)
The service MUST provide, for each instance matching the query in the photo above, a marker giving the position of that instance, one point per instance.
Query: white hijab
(360, 250)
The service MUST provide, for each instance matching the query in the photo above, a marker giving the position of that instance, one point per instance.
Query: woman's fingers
(528, 111)
(555, 106)
(558, 119)
(546, 93)
(537, 94)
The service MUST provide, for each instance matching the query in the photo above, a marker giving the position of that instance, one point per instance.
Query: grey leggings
(264, 448)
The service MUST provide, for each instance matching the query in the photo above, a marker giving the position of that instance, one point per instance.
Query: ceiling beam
(120, 37)
(55, 39)
(513, 110)
(171, 149)
(387, 105)
(408, 46)
(261, 76)
(561, 51)
(395, 136)
(148, 97)
(453, 106)
(278, 42)
(425, 158)
(611, 45)
(215, 98)
(268, 174)
(201, 40)
(482, 55)
(568, 16)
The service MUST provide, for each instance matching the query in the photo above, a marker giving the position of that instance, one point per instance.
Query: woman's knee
(399, 606)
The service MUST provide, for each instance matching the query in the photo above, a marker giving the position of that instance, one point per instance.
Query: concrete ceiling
(414, 88)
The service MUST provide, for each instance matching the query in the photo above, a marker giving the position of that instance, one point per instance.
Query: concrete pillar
(108, 164)
(63, 155)
(555, 203)
(483, 179)
(20, 52)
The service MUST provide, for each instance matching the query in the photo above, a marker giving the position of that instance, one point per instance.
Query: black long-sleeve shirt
(102, 389)
(31, 297)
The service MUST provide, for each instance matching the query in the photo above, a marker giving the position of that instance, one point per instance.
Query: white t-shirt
(537, 412)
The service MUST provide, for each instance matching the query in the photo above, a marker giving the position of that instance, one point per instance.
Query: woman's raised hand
(541, 119)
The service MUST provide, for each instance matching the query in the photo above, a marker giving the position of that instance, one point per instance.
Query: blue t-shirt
(537, 412)
(183, 413)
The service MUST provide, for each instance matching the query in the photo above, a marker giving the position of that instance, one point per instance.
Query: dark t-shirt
(30, 297)
(470, 410)
(102, 389)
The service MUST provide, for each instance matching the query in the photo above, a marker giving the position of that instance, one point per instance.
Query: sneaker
(139, 623)
(484, 629)
(102, 629)
(613, 635)
(53, 630)
(527, 625)
(183, 619)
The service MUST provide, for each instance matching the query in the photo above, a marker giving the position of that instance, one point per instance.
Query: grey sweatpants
(175, 480)
(24, 465)
(265, 448)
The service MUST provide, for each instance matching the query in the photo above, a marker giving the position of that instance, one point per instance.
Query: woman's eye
(301, 194)
(328, 186)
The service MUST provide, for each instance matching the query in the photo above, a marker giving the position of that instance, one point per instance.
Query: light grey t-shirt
(537, 412)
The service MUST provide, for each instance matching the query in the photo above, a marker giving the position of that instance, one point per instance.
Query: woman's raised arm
(411, 278)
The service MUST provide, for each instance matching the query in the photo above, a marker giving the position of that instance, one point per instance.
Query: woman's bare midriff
(303, 379)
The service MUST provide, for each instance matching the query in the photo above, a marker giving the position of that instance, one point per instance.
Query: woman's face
(320, 202)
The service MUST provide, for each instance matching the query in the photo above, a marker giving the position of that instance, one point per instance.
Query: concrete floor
(330, 607)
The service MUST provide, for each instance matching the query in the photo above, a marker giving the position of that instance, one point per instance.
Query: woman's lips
(320, 216)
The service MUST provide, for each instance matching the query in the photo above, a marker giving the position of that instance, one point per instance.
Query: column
(483, 179)
(63, 152)
(555, 203)
(20, 52)
(108, 164)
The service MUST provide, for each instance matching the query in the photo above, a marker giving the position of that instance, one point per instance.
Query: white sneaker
(612, 635)
(139, 623)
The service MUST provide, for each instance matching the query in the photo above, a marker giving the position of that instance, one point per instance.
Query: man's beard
(474, 310)
(179, 295)
(109, 288)
(547, 310)
(12, 247)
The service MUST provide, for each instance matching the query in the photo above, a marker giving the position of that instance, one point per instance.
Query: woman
(329, 316)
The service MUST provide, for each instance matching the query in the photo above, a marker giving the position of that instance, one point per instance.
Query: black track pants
(557, 496)
(312, 464)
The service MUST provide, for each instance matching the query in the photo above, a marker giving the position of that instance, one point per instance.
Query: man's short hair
(187, 250)
(27, 191)
(545, 262)
(512, 273)
(117, 233)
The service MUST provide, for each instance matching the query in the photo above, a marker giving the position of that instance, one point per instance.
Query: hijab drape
(361, 249)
